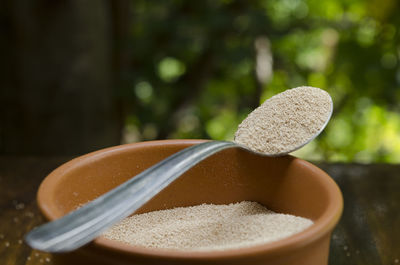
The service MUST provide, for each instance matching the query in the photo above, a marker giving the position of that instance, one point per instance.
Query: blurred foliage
(197, 68)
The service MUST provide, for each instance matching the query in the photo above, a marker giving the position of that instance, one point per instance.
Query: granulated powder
(285, 121)
(207, 227)
(281, 124)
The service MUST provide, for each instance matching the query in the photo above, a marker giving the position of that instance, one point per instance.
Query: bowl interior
(283, 184)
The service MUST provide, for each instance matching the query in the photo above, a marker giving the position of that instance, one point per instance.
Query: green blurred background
(195, 69)
(201, 67)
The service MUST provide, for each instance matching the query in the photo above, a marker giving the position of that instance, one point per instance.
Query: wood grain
(368, 233)
(19, 180)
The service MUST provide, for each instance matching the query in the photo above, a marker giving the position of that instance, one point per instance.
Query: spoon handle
(84, 224)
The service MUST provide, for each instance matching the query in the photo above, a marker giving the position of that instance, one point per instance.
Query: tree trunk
(57, 89)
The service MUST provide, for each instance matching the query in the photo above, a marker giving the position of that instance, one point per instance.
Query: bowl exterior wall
(284, 184)
(313, 254)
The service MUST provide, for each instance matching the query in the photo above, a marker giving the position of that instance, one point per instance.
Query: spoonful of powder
(286, 121)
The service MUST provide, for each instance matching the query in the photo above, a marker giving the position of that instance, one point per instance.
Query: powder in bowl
(207, 227)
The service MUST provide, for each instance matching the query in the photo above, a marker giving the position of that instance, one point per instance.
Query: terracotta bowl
(285, 184)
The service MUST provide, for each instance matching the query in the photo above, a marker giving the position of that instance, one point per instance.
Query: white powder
(207, 227)
(285, 121)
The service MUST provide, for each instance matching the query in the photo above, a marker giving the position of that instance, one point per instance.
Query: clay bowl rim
(320, 228)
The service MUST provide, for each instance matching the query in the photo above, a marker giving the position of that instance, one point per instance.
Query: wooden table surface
(368, 233)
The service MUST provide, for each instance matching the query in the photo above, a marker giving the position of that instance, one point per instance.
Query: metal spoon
(86, 223)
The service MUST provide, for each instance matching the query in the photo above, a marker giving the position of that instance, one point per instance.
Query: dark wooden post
(58, 77)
